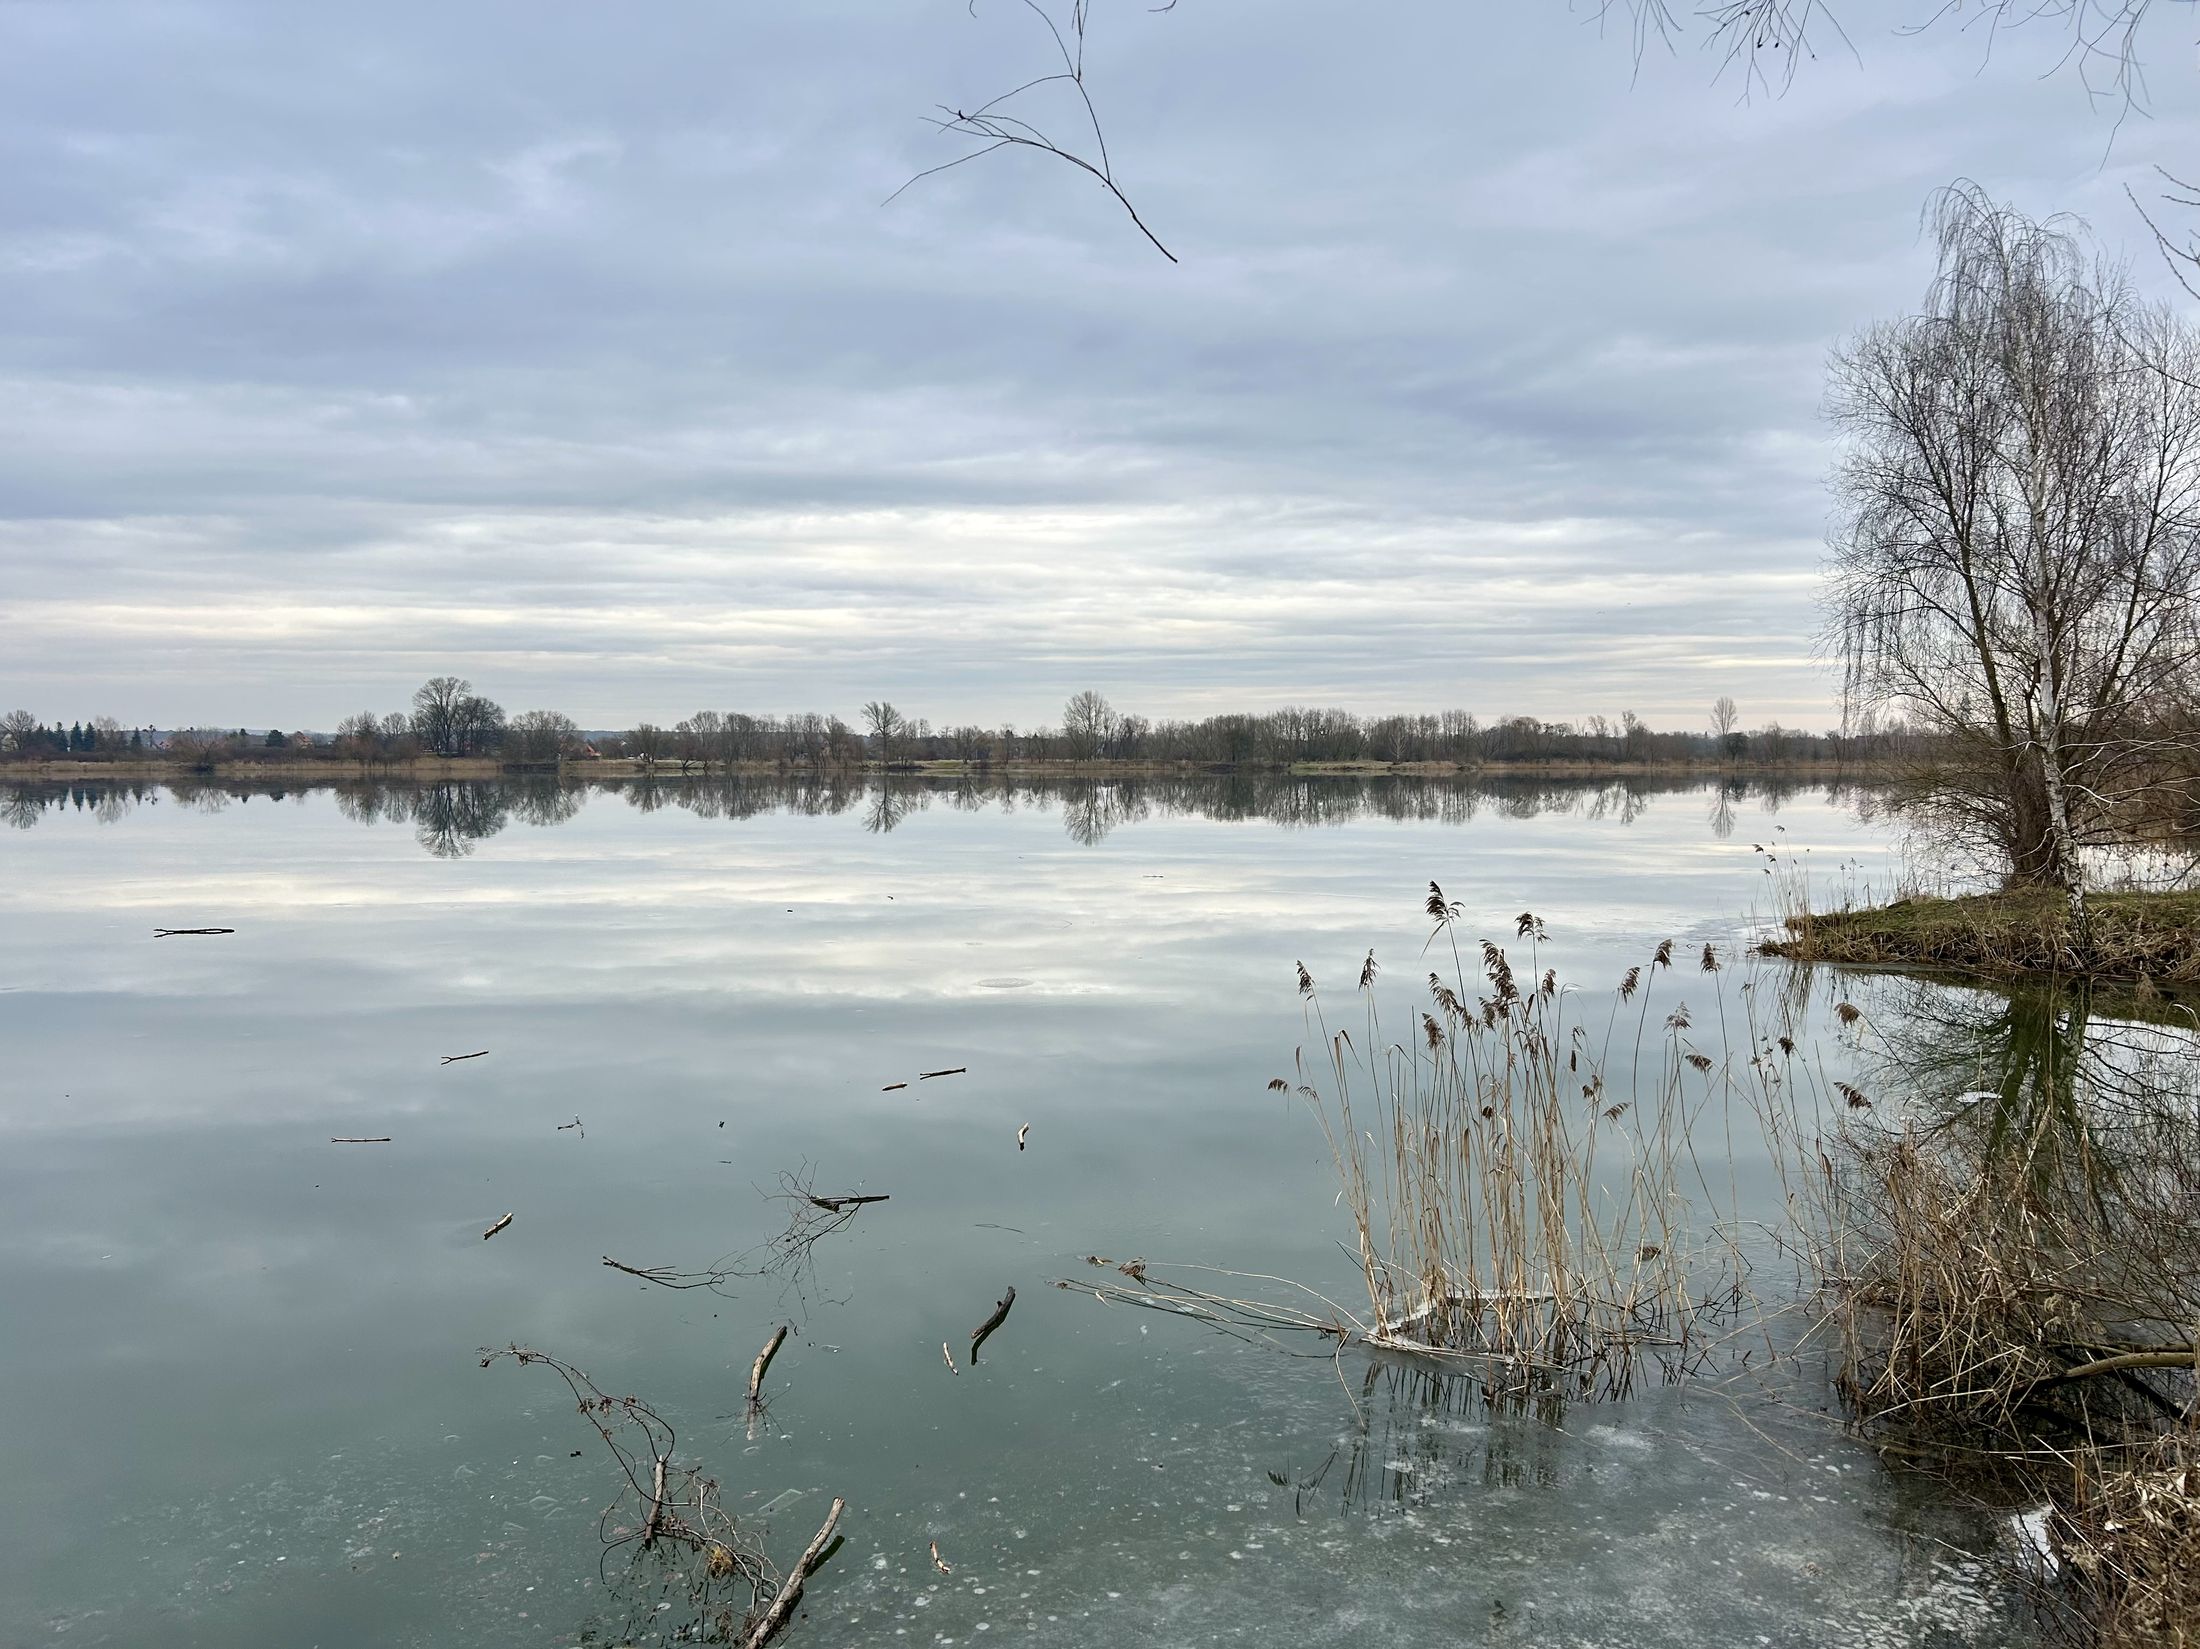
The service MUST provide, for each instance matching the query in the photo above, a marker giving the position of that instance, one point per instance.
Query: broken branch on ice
(979, 1334)
(764, 1362)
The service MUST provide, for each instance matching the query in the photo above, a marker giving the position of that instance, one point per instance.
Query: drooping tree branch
(994, 126)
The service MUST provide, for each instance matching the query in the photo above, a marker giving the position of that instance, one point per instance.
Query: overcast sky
(567, 346)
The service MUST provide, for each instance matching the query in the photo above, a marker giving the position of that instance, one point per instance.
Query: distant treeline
(449, 719)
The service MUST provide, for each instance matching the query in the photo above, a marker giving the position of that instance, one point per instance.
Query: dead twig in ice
(763, 1363)
(979, 1335)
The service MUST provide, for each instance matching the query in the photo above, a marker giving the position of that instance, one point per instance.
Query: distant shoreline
(436, 769)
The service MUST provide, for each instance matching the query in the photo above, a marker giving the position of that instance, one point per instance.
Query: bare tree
(200, 746)
(648, 741)
(2017, 565)
(450, 719)
(1088, 723)
(541, 736)
(1725, 720)
(17, 728)
(886, 724)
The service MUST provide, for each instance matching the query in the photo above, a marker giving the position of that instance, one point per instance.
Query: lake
(245, 1364)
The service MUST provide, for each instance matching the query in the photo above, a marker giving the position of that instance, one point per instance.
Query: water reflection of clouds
(673, 932)
(199, 1259)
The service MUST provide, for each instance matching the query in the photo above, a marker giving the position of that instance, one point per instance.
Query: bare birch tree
(2016, 564)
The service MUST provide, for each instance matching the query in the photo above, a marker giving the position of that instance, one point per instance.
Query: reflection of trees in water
(2023, 1066)
(1721, 812)
(1088, 814)
(2077, 1108)
(891, 802)
(25, 804)
(545, 801)
(1423, 1437)
(206, 797)
(450, 817)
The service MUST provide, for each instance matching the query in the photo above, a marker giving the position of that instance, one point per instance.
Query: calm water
(242, 1362)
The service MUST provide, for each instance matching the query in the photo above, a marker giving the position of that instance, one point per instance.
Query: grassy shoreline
(2015, 933)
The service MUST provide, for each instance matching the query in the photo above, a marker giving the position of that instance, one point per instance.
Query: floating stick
(821, 1546)
(763, 1362)
(1000, 1314)
(494, 1229)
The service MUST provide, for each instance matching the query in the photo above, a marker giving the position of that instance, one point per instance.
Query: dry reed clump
(2131, 1544)
(1950, 1284)
(2014, 1275)
(2021, 1275)
(1513, 1209)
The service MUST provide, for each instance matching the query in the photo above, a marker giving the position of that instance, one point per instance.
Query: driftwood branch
(833, 1205)
(764, 1362)
(2159, 1357)
(1000, 1314)
(359, 1139)
(453, 1059)
(954, 1070)
(665, 1277)
(811, 1218)
(656, 1519)
(180, 933)
(790, 1592)
(494, 1229)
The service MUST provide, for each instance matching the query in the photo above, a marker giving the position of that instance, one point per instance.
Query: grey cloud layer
(571, 347)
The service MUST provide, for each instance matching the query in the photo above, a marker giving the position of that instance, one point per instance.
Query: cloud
(573, 351)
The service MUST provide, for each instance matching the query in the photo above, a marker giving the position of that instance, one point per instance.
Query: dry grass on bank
(2132, 1542)
(2014, 933)
(2016, 1305)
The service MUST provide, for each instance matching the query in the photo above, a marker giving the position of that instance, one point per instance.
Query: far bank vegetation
(450, 725)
